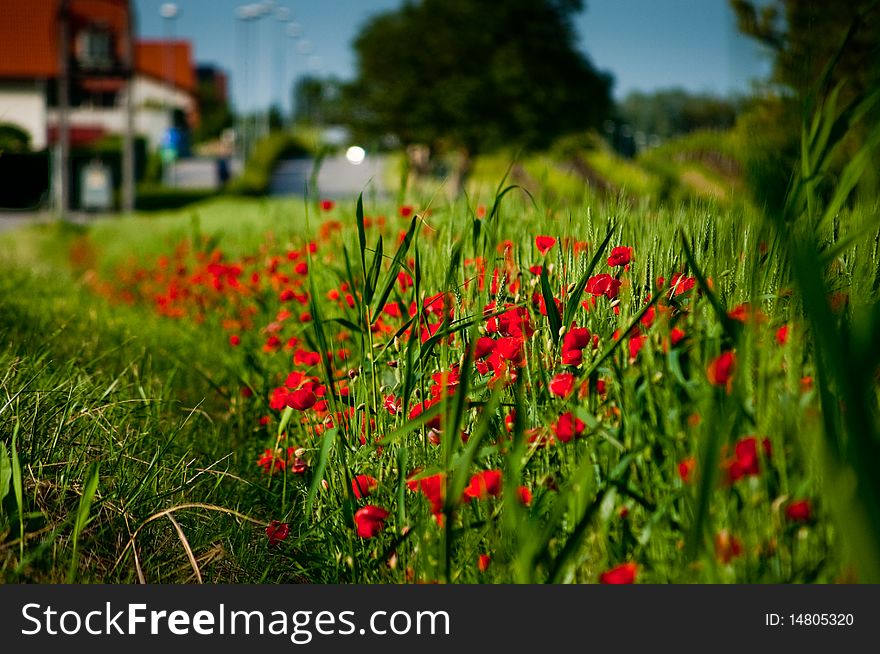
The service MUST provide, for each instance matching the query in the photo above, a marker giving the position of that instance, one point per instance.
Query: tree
(215, 115)
(317, 100)
(471, 75)
(671, 112)
(804, 36)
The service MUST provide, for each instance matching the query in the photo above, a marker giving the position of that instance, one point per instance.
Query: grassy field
(659, 382)
(510, 395)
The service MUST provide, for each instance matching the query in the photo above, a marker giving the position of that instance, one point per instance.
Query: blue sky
(645, 44)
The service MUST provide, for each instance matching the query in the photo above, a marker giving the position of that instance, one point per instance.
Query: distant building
(164, 79)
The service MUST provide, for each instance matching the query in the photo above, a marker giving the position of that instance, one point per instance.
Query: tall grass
(129, 451)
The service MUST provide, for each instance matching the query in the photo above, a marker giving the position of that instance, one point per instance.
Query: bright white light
(168, 10)
(355, 154)
(248, 12)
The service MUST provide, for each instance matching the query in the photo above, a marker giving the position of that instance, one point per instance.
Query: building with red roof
(30, 64)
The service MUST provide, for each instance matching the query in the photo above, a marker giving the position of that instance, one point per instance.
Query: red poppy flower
(544, 243)
(370, 520)
(799, 511)
(727, 547)
(635, 345)
(680, 284)
(686, 469)
(483, 562)
(782, 335)
(568, 426)
(603, 284)
(562, 384)
(363, 486)
(620, 256)
(434, 490)
(327, 205)
(524, 495)
(418, 409)
(720, 370)
(483, 485)
(301, 399)
(625, 573)
(299, 466)
(745, 461)
(484, 347)
(277, 532)
(675, 336)
(573, 343)
(235, 340)
(392, 405)
(306, 358)
(405, 211)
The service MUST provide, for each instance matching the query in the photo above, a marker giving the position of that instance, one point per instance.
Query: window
(94, 48)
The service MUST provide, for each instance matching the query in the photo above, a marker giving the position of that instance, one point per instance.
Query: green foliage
(215, 114)
(804, 36)
(14, 138)
(673, 112)
(320, 101)
(257, 173)
(848, 363)
(498, 73)
(152, 197)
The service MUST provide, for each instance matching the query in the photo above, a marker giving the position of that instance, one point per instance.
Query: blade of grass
(82, 517)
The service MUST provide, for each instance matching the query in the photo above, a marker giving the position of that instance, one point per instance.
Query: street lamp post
(246, 14)
(283, 16)
(294, 31)
(169, 11)
(128, 166)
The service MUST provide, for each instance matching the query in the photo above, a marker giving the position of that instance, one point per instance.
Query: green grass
(156, 403)
(87, 383)
(721, 422)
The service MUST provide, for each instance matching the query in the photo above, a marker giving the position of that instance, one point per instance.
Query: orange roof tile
(166, 60)
(29, 33)
(28, 39)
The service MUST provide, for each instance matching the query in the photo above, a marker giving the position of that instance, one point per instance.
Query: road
(337, 178)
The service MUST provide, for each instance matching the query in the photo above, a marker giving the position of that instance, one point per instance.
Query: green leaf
(362, 234)
(328, 440)
(731, 326)
(82, 517)
(5, 474)
(286, 415)
(574, 298)
(396, 262)
(550, 305)
(373, 275)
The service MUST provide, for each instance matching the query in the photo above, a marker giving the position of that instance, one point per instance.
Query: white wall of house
(153, 103)
(24, 104)
(154, 93)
